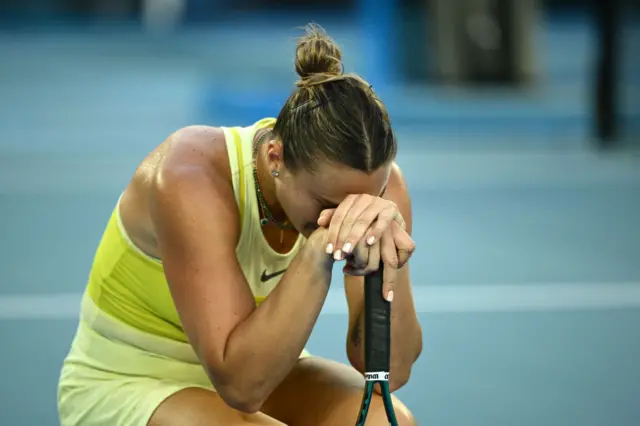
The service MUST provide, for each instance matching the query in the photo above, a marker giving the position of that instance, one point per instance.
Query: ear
(274, 155)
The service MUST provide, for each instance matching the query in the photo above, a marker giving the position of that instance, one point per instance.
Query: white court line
(428, 299)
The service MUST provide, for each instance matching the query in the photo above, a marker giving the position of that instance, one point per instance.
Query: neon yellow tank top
(131, 286)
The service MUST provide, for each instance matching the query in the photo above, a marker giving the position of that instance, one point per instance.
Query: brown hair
(332, 115)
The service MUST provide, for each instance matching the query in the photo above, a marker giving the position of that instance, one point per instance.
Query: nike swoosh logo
(266, 277)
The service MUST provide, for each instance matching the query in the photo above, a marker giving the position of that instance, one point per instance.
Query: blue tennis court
(527, 273)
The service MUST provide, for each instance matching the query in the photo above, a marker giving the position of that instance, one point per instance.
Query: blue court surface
(526, 277)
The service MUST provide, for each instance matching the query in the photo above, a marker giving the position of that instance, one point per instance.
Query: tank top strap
(239, 142)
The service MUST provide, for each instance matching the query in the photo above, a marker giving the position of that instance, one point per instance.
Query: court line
(544, 297)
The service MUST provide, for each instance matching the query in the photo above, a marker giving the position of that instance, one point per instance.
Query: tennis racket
(377, 346)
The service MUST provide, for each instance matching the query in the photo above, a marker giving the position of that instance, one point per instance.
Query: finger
(403, 257)
(388, 252)
(405, 246)
(389, 283)
(390, 260)
(325, 217)
(359, 258)
(384, 218)
(357, 229)
(334, 227)
(364, 260)
(374, 258)
(355, 218)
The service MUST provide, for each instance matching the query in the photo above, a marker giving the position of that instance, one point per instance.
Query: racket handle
(377, 327)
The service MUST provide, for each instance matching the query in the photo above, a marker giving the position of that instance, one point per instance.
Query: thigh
(320, 392)
(203, 407)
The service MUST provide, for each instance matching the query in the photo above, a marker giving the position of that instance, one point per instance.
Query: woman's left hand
(368, 229)
(359, 217)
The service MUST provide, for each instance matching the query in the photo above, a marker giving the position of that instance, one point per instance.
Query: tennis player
(217, 259)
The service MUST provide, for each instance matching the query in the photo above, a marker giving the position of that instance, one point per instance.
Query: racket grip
(377, 327)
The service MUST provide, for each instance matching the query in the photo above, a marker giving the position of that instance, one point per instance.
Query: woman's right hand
(365, 258)
(340, 220)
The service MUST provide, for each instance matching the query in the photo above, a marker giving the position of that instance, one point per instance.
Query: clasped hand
(363, 230)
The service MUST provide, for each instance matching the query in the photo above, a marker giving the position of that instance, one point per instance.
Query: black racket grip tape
(377, 325)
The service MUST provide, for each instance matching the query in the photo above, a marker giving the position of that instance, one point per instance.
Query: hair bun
(317, 54)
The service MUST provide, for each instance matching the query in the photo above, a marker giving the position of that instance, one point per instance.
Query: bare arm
(406, 333)
(246, 351)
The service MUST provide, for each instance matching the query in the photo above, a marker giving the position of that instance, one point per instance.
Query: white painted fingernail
(390, 296)
(371, 240)
(329, 248)
(346, 248)
(337, 255)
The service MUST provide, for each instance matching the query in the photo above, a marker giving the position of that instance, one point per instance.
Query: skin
(353, 205)
(348, 204)
(180, 207)
(406, 333)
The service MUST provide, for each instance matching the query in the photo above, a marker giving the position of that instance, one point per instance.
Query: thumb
(389, 283)
(390, 258)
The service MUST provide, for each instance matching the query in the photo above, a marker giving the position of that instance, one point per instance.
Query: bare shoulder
(190, 154)
(200, 146)
(195, 157)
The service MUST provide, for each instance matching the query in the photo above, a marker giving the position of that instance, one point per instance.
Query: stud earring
(275, 173)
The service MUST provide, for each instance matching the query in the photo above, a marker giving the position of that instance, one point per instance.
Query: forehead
(333, 182)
